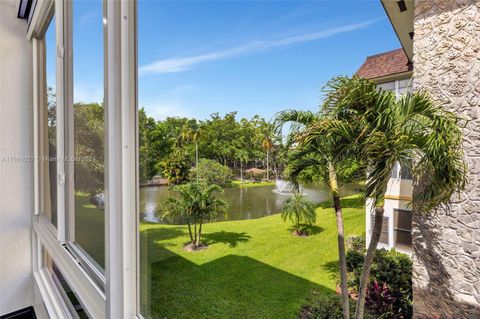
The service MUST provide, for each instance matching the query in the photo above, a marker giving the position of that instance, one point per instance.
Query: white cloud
(169, 104)
(179, 64)
(88, 93)
(163, 109)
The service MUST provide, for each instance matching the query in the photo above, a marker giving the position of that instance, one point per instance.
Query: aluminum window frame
(117, 295)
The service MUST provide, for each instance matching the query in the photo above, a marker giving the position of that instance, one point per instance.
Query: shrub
(325, 306)
(175, 167)
(354, 267)
(379, 300)
(356, 243)
(212, 172)
(391, 267)
(354, 260)
(396, 269)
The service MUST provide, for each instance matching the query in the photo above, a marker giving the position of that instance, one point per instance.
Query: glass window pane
(49, 127)
(388, 86)
(212, 75)
(405, 173)
(89, 130)
(66, 293)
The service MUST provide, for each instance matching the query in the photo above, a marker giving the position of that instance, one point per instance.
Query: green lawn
(253, 184)
(252, 268)
(90, 228)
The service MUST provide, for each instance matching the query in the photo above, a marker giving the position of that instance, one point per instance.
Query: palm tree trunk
(241, 172)
(190, 230)
(298, 224)
(342, 259)
(195, 232)
(268, 175)
(367, 265)
(196, 159)
(199, 233)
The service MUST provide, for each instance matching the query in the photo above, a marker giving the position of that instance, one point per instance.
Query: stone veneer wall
(446, 275)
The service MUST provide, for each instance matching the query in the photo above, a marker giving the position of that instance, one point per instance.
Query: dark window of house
(384, 233)
(405, 173)
(403, 228)
(394, 172)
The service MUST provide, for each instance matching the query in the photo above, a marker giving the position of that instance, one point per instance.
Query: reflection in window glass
(49, 127)
(404, 86)
(88, 113)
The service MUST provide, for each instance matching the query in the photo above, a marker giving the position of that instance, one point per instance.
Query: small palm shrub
(196, 202)
(300, 211)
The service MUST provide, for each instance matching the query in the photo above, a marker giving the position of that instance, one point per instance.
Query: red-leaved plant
(379, 300)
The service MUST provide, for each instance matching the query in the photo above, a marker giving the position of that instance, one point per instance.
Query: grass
(253, 184)
(90, 228)
(252, 268)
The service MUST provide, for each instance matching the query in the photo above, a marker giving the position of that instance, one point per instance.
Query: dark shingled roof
(383, 64)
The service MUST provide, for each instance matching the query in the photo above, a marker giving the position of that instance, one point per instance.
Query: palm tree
(242, 157)
(299, 210)
(196, 202)
(191, 132)
(413, 131)
(267, 145)
(325, 153)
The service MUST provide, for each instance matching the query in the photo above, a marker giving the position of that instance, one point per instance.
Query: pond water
(243, 202)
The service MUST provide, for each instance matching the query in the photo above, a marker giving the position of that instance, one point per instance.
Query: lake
(243, 202)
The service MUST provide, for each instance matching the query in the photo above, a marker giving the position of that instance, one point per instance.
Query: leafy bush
(396, 269)
(391, 267)
(175, 167)
(212, 172)
(380, 300)
(354, 260)
(356, 243)
(325, 306)
(354, 267)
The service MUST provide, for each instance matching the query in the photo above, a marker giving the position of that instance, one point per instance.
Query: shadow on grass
(163, 233)
(228, 287)
(311, 229)
(225, 237)
(356, 202)
(332, 268)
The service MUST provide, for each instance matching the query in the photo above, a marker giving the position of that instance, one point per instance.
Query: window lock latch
(61, 179)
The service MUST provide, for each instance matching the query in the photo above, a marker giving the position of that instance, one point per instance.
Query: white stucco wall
(16, 178)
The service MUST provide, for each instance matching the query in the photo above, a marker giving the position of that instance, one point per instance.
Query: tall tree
(191, 132)
(413, 131)
(325, 153)
(242, 157)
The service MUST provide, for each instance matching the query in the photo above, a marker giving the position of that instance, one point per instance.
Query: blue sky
(254, 57)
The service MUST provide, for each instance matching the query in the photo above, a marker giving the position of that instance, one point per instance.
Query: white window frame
(116, 294)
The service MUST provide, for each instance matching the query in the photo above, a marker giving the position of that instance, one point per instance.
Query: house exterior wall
(399, 192)
(446, 243)
(16, 177)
